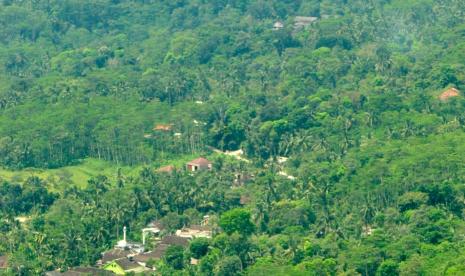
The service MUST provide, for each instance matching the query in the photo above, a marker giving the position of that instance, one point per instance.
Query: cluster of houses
(127, 257)
(132, 257)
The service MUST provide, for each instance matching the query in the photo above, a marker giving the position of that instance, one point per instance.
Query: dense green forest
(357, 103)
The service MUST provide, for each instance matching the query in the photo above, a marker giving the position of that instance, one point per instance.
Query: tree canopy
(335, 132)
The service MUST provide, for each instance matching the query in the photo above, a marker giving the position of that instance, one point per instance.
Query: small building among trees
(81, 271)
(195, 231)
(125, 266)
(449, 93)
(301, 22)
(278, 25)
(199, 164)
(3, 263)
(167, 169)
(163, 127)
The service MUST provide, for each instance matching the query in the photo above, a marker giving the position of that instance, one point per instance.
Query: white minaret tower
(123, 243)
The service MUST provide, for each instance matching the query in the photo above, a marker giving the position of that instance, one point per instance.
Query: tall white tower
(123, 243)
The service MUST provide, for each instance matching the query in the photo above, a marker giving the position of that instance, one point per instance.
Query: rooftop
(303, 21)
(199, 228)
(245, 199)
(449, 93)
(127, 264)
(81, 271)
(156, 254)
(156, 224)
(200, 162)
(91, 271)
(3, 262)
(195, 231)
(175, 240)
(163, 127)
(114, 254)
(166, 169)
(278, 25)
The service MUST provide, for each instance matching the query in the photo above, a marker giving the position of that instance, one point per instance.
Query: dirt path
(236, 154)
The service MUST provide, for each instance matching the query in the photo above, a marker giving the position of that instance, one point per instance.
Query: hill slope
(355, 95)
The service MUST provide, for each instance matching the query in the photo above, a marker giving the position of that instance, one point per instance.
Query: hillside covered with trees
(335, 131)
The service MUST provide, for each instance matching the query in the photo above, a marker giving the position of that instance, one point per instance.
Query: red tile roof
(166, 169)
(449, 93)
(3, 262)
(163, 127)
(200, 162)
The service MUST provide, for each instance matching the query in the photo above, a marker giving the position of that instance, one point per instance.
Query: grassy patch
(78, 175)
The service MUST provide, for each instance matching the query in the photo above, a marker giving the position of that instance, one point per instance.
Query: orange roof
(166, 169)
(163, 127)
(3, 262)
(200, 162)
(449, 93)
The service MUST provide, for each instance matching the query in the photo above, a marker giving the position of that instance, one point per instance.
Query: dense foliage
(351, 100)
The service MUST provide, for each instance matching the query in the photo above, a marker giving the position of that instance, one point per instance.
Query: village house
(194, 261)
(167, 169)
(155, 228)
(114, 254)
(154, 255)
(301, 22)
(278, 25)
(127, 257)
(124, 266)
(199, 164)
(122, 249)
(156, 225)
(3, 263)
(174, 240)
(131, 246)
(449, 93)
(163, 127)
(81, 271)
(242, 178)
(144, 259)
(244, 200)
(195, 231)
